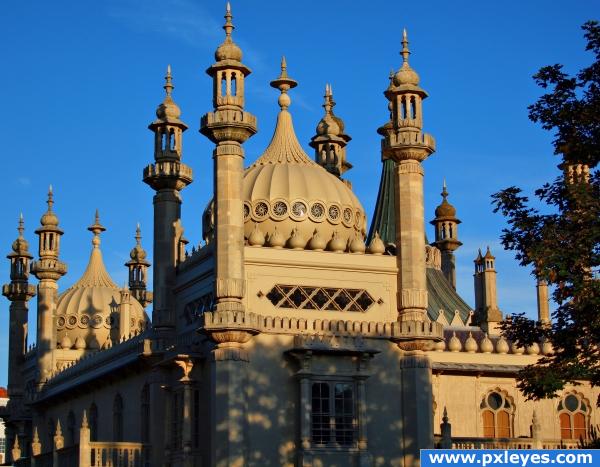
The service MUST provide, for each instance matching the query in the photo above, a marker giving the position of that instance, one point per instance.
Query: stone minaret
(229, 326)
(19, 291)
(446, 236)
(407, 146)
(48, 269)
(167, 176)
(487, 313)
(330, 141)
(228, 126)
(138, 271)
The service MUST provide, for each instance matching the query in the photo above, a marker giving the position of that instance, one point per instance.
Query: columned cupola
(167, 176)
(446, 235)
(330, 141)
(48, 269)
(487, 313)
(19, 291)
(138, 271)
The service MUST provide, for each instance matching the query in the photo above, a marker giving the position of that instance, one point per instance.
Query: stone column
(410, 241)
(542, 302)
(417, 405)
(46, 331)
(186, 366)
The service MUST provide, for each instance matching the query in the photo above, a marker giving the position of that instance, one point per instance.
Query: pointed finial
(168, 87)
(284, 83)
(96, 228)
(21, 227)
(405, 52)
(36, 437)
(50, 201)
(58, 428)
(228, 27)
(328, 103)
(444, 190)
(84, 420)
(138, 234)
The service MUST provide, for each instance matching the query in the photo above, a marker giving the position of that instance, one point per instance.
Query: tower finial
(329, 102)
(284, 83)
(168, 82)
(444, 190)
(21, 227)
(138, 235)
(50, 201)
(228, 27)
(96, 228)
(405, 52)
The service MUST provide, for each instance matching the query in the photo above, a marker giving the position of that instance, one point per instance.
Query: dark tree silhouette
(560, 238)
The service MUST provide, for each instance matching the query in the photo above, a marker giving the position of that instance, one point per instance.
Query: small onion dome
(533, 349)
(445, 209)
(80, 343)
(228, 50)
(138, 254)
(471, 344)
(256, 238)
(65, 342)
(330, 124)
(276, 240)
(502, 346)
(439, 346)
(405, 75)
(454, 345)
(168, 111)
(376, 247)
(357, 245)
(487, 346)
(336, 243)
(49, 219)
(516, 349)
(317, 243)
(547, 348)
(296, 241)
(20, 246)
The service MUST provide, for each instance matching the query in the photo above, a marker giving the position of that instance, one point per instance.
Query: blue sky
(81, 81)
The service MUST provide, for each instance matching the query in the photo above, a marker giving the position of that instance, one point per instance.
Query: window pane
(579, 430)
(571, 403)
(494, 400)
(488, 424)
(320, 413)
(344, 414)
(503, 419)
(565, 426)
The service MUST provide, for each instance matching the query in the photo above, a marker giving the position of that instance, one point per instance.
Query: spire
(284, 146)
(50, 201)
(96, 228)
(168, 82)
(138, 269)
(228, 50)
(228, 27)
(284, 83)
(405, 52)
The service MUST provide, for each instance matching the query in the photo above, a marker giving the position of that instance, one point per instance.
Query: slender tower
(48, 269)
(407, 146)
(487, 313)
(228, 126)
(446, 235)
(138, 271)
(167, 176)
(330, 141)
(19, 291)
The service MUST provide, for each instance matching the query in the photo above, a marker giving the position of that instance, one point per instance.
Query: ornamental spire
(284, 83)
(168, 82)
(96, 228)
(405, 51)
(228, 27)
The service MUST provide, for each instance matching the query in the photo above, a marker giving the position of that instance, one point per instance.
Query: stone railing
(117, 454)
(507, 443)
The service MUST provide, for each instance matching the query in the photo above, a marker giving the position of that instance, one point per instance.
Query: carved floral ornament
(301, 209)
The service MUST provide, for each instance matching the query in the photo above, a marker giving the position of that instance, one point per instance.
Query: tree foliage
(562, 242)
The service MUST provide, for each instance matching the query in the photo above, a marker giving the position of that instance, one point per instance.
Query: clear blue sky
(81, 81)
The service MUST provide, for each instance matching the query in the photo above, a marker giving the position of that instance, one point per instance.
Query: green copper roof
(442, 296)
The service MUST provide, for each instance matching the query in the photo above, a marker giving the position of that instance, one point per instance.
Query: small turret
(138, 271)
(487, 313)
(446, 235)
(330, 141)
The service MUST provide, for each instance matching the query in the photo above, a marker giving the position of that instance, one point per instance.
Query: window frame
(564, 411)
(333, 431)
(484, 407)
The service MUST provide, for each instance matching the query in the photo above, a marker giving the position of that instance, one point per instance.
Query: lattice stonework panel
(320, 298)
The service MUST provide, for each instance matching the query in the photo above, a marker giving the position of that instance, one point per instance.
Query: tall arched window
(573, 414)
(93, 422)
(497, 414)
(118, 418)
(145, 414)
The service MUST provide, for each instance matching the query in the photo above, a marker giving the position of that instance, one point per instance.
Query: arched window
(497, 414)
(573, 414)
(145, 414)
(93, 422)
(118, 418)
(71, 429)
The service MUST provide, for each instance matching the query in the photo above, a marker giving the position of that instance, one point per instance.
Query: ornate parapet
(17, 291)
(168, 174)
(230, 327)
(416, 335)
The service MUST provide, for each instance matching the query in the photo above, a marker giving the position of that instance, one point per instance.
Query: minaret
(228, 126)
(19, 291)
(167, 176)
(405, 143)
(138, 271)
(487, 313)
(446, 235)
(330, 141)
(48, 269)
(407, 146)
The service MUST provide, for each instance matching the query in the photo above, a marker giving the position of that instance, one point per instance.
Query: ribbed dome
(286, 190)
(90, 308)
(445, 209)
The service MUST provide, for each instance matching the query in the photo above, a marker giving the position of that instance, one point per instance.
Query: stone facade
(289, 336)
